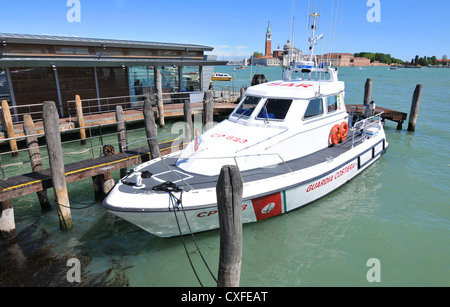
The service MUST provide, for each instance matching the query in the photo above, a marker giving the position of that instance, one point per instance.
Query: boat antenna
(313, 40)
(287, 72)
(293, 30)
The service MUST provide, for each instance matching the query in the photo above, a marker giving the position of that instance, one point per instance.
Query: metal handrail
(365, 123)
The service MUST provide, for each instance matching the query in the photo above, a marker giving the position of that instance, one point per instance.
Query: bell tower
(268, 41)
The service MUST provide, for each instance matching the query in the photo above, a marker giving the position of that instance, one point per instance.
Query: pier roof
(79, 41)
(25, 50)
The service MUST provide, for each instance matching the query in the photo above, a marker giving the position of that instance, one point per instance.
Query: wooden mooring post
(121, 134)
(208, 110)
(150, 129)
(35, 157)
(7, 121)
(80, 117)
(229, 205)
(53, 139)
(367, 92)
(7, 223)
(414, 113)
(159, 97)
(187, 120)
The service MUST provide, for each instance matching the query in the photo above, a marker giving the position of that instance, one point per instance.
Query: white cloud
(231, 51)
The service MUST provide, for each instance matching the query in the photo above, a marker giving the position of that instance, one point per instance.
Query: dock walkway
(388, 114)
(170, 111)
(38, 181)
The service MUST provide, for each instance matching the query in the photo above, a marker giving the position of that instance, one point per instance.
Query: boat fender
(335, 134)
(344, 131)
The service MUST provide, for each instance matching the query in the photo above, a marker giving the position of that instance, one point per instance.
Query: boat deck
(166, 170)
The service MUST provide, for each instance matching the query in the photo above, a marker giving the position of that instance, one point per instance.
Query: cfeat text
(239, 296)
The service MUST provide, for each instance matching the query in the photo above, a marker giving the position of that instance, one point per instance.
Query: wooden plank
(388, 114)
(37, 181)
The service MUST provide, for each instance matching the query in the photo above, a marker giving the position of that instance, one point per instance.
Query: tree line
(425, 61)
(381, 57)
(387, 59)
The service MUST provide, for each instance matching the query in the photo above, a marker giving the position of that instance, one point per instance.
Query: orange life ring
(108, 150)
(344, 131)
(335, 135)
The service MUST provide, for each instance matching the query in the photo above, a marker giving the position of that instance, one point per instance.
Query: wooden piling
(208, 109)
(121, 134)
(150, 129)
(102, 183)
(80, 116)
(7, 223)
(7, 120)
(367, 92)
(108, 183)
(242, 93)
(35, 157)
(187, 120)
(53, 139)
(159, 97)
(415, 108)
(229, 205)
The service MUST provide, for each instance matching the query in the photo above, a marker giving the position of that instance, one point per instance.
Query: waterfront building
(36, 68)
(279, 57)
(290, 54)
(348, 60)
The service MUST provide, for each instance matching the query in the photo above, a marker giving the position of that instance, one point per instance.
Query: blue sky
(237, 28)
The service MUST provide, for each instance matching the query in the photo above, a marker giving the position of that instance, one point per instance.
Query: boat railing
(360, 128)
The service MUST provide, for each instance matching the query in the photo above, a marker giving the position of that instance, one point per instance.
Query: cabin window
(315, 108)
(275, 109)
(332, 103)
(247, 106)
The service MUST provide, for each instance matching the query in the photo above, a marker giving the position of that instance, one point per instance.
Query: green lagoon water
(397, 211)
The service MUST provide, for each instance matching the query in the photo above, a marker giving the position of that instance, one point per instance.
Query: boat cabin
(272, 119)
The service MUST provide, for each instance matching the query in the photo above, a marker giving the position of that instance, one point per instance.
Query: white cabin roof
(297, 89)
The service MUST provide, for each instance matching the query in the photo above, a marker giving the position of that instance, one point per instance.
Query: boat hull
(284, 193)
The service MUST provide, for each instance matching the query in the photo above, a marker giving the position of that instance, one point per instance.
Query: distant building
(268, 41)
(361, 61)
(291, 54)
(349, 60)
(279, 57)
(444, 62)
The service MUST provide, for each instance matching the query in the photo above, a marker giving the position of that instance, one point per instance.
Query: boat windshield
(275, 109)
(247, 106)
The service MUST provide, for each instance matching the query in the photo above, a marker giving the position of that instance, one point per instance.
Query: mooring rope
(170, 187)
(172, 201)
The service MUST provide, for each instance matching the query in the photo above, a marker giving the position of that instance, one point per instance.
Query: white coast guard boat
(293, 141)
